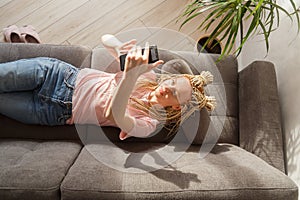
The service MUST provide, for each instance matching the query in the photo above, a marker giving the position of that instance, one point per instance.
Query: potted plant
(227, 18)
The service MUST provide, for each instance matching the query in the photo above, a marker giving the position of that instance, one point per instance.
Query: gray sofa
(247, 162)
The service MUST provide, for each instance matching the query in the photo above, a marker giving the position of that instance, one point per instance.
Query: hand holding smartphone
(153, 56)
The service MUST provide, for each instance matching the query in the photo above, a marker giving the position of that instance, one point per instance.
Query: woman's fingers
(138, 59)
(157, 63)
(127, 48)
(129, 55)
(138, 52)
(139, 55)
(129, 43)
(146, 52)
(133, 52)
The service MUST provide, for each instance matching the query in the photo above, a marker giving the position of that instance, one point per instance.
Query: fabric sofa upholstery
(41, 162)
(260, 102)
(224, 88)
(228, 172)
(33, 169)
(78, 56)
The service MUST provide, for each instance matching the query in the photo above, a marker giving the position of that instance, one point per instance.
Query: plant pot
(213, 47)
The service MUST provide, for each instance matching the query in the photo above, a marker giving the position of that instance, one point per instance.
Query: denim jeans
(37, 90)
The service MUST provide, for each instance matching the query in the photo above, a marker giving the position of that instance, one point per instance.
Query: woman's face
(173, 92)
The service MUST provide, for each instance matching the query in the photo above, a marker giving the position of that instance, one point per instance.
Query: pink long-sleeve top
(92, 95)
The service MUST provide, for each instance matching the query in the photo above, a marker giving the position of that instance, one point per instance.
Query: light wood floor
(84, 21)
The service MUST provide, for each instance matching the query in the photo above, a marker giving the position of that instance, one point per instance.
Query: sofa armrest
(259, 113)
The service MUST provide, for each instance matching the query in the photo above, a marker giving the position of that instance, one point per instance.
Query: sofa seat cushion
(227, 172)
(34, 169)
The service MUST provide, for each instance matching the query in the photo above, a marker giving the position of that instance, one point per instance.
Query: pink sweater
(92, 95)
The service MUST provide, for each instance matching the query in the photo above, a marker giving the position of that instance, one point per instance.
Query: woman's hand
(137, 63)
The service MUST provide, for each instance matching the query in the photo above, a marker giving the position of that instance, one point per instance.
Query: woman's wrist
(131, 75)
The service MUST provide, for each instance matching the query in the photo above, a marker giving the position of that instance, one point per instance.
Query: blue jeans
(37, 90)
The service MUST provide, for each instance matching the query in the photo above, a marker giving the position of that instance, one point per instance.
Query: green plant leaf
(219, 28)
(227, 18)
(213, 16)
(296, 10)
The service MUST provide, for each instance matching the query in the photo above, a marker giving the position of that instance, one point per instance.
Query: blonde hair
(174, 117)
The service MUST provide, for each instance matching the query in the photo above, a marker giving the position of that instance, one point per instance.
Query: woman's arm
(135, 65)
(117, 107)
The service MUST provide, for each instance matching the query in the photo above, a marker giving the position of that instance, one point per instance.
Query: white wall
(285, 54)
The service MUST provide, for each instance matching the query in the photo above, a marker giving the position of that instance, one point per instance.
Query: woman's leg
(19, 106)
(39, 88)
(18, 80)
(21, 75)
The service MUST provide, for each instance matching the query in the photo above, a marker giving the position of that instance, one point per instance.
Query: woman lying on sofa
(48, 91)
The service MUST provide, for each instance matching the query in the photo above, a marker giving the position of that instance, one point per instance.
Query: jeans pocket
(70, 76)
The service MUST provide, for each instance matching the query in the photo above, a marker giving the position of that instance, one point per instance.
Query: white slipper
(110, 41)
(115, 46)
(112, 44)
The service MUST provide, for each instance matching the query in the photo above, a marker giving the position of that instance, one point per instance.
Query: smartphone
(153, 56)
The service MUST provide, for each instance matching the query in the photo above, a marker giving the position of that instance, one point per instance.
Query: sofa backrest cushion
(78, 56)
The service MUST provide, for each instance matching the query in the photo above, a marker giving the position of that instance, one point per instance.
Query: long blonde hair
(172, 118)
